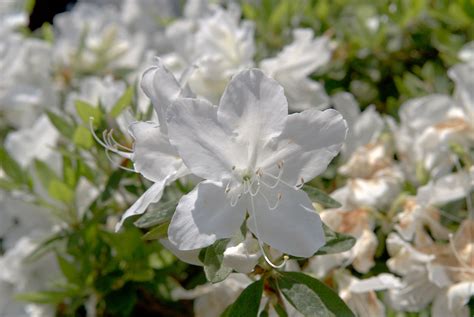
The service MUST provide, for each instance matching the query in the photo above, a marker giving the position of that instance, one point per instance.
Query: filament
(260, 243)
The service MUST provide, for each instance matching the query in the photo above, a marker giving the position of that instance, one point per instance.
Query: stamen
(105, 142)
(278, 179)
(268, 202)
(117, 144)
(256, 192)
(260, 244)
(233, 200)
(301, 184)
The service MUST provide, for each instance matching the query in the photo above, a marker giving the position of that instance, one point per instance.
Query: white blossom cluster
(248, 135)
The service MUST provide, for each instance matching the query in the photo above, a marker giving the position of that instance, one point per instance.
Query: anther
(299, 186)
(280, 164)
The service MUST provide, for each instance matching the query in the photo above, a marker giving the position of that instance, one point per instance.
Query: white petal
(293, 227)
(459, 294)
(419, 113)
(152, 195)
(244, 256)
(445, 189)
(204, 144)
(376, 283)
(191, 256)
(162, 88)
(363, 251)
(311, 139)
(153, 156)
(462, 74)
(254, 107)
(204, 216)
(346, 104)
(37, 141)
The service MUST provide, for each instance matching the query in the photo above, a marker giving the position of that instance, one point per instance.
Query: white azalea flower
(415, 215)
(35, 142)
(252, 156)
(412, 264)
(148, 17)
(374, 177)
(91, 36)
(13, 14)
(153, 155)
(25, 84)
(216, 42)
(19, 218)
(295, 63)
(360, 294)
(430, 124)
(364, 127)
(20, 276)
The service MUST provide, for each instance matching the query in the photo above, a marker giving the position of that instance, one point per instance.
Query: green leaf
(45, 297)
(11, 168)
(157, 232)
(47, 32)
(83, 137)
(44, 247)
(321, 197)
(156, 216)
(335, 242)
(212, 258)
(44, 173)
(124, 101)
(69, 270)
(86, 111)
(311, 297)
(70, 172)
(61, 124)
(8, 185)
(60, 192)
(248, 302)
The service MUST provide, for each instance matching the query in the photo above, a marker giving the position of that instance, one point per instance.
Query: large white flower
(293, 66)
(252, 156)
(214, 40)
(153, 155)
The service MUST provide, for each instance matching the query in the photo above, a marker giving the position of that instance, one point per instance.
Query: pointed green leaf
(61, 124)
(44, 173)
(335, 242)
(11, 168)
(212, 258)
(157, 232)
(60, 192)
(248, 302)
(321, 197)
(311, 297)
(157, 215)
(69, 270)
(86, 111)
(124, 101)
(83, 137)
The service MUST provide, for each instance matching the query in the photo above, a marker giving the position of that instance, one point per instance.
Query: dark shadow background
(45, 10)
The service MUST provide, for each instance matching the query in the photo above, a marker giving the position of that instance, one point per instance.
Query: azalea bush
(238, 158)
